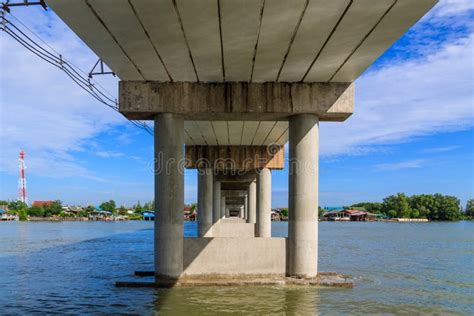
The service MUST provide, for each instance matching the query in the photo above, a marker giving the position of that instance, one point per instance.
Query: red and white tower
(22, 180)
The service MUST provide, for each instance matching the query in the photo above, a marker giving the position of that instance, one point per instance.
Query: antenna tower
(22, 181)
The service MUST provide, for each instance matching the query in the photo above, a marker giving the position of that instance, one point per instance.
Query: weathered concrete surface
(223, 206)
(205, 201)
(264, 203)
(303, 196)
(235, 186)
(216, 201)
(252, 203)
(232, 227)
(323, 279)
(169, 196)
(236, 177)
(235, 158)
(297, 40)
(234, 256)
(235, 133)
(236, 101)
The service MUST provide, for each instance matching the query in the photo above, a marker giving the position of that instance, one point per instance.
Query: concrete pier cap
(229, 89)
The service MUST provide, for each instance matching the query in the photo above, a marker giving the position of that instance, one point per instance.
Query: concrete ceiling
(254, 133)
(240, 40)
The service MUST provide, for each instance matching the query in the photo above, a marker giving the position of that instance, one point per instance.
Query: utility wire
(51, 56)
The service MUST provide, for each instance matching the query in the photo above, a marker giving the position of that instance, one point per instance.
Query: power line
(51, 56)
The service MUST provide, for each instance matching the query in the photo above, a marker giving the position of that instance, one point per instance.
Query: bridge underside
(234, 81)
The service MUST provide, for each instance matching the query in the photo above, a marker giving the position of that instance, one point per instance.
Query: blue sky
(412, 130)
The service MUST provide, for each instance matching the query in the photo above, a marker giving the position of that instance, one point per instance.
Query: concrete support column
(205, 181)
(252, 201)
(216, 206)
(246, 207)
(169, 195)
(222, 206)
(264, 206)
(303, 195)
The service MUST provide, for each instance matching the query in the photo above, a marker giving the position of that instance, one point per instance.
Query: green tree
(447, 208)
(17, 205)
(108, 206)
(321, 211)
(370, 207)
(89, 209)
(414, 214)
(55, 208)
(22, 216)
(37, 211)
(469, 211)
(137, 208)
(391, 213)
(147, 206)
(398, 203)
(122, 210)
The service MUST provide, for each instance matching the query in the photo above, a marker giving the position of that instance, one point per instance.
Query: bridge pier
(252, 203)
(169, 196)
(303, 196)
(205, 201)
(216, 206)
(264, 200)
(236, 180)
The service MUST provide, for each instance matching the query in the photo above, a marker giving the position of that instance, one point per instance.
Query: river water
(398, 268)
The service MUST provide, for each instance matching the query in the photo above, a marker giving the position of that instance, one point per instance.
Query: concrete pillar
(303, 195)
(205, 180)
(246, 207)
(252, 200)
(222, 206)
(216, 206)
(264, 206)
(169, 195)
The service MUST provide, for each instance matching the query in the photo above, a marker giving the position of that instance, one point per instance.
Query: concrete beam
(235, 193)
(231, 186)
(241, 158)
(141, 100)
(236, 177)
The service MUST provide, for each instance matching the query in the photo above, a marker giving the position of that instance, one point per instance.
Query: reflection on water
(400, 268)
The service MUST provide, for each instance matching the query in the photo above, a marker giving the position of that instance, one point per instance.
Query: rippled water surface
(398, 268)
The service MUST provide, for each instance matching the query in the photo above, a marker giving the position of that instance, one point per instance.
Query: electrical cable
(57, 60)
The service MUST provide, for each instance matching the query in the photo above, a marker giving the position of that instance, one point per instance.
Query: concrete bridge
(228, 83)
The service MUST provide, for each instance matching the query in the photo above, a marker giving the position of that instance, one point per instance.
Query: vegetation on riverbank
(55, 210)
(434, 207)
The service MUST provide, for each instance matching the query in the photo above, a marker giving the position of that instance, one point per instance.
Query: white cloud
(406, 100)
(42, 110)
(109, 154)
(436, 150)
(452, 7)
(408, 164)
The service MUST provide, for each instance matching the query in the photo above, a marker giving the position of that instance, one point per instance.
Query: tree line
(55, 208)
(434, 207)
